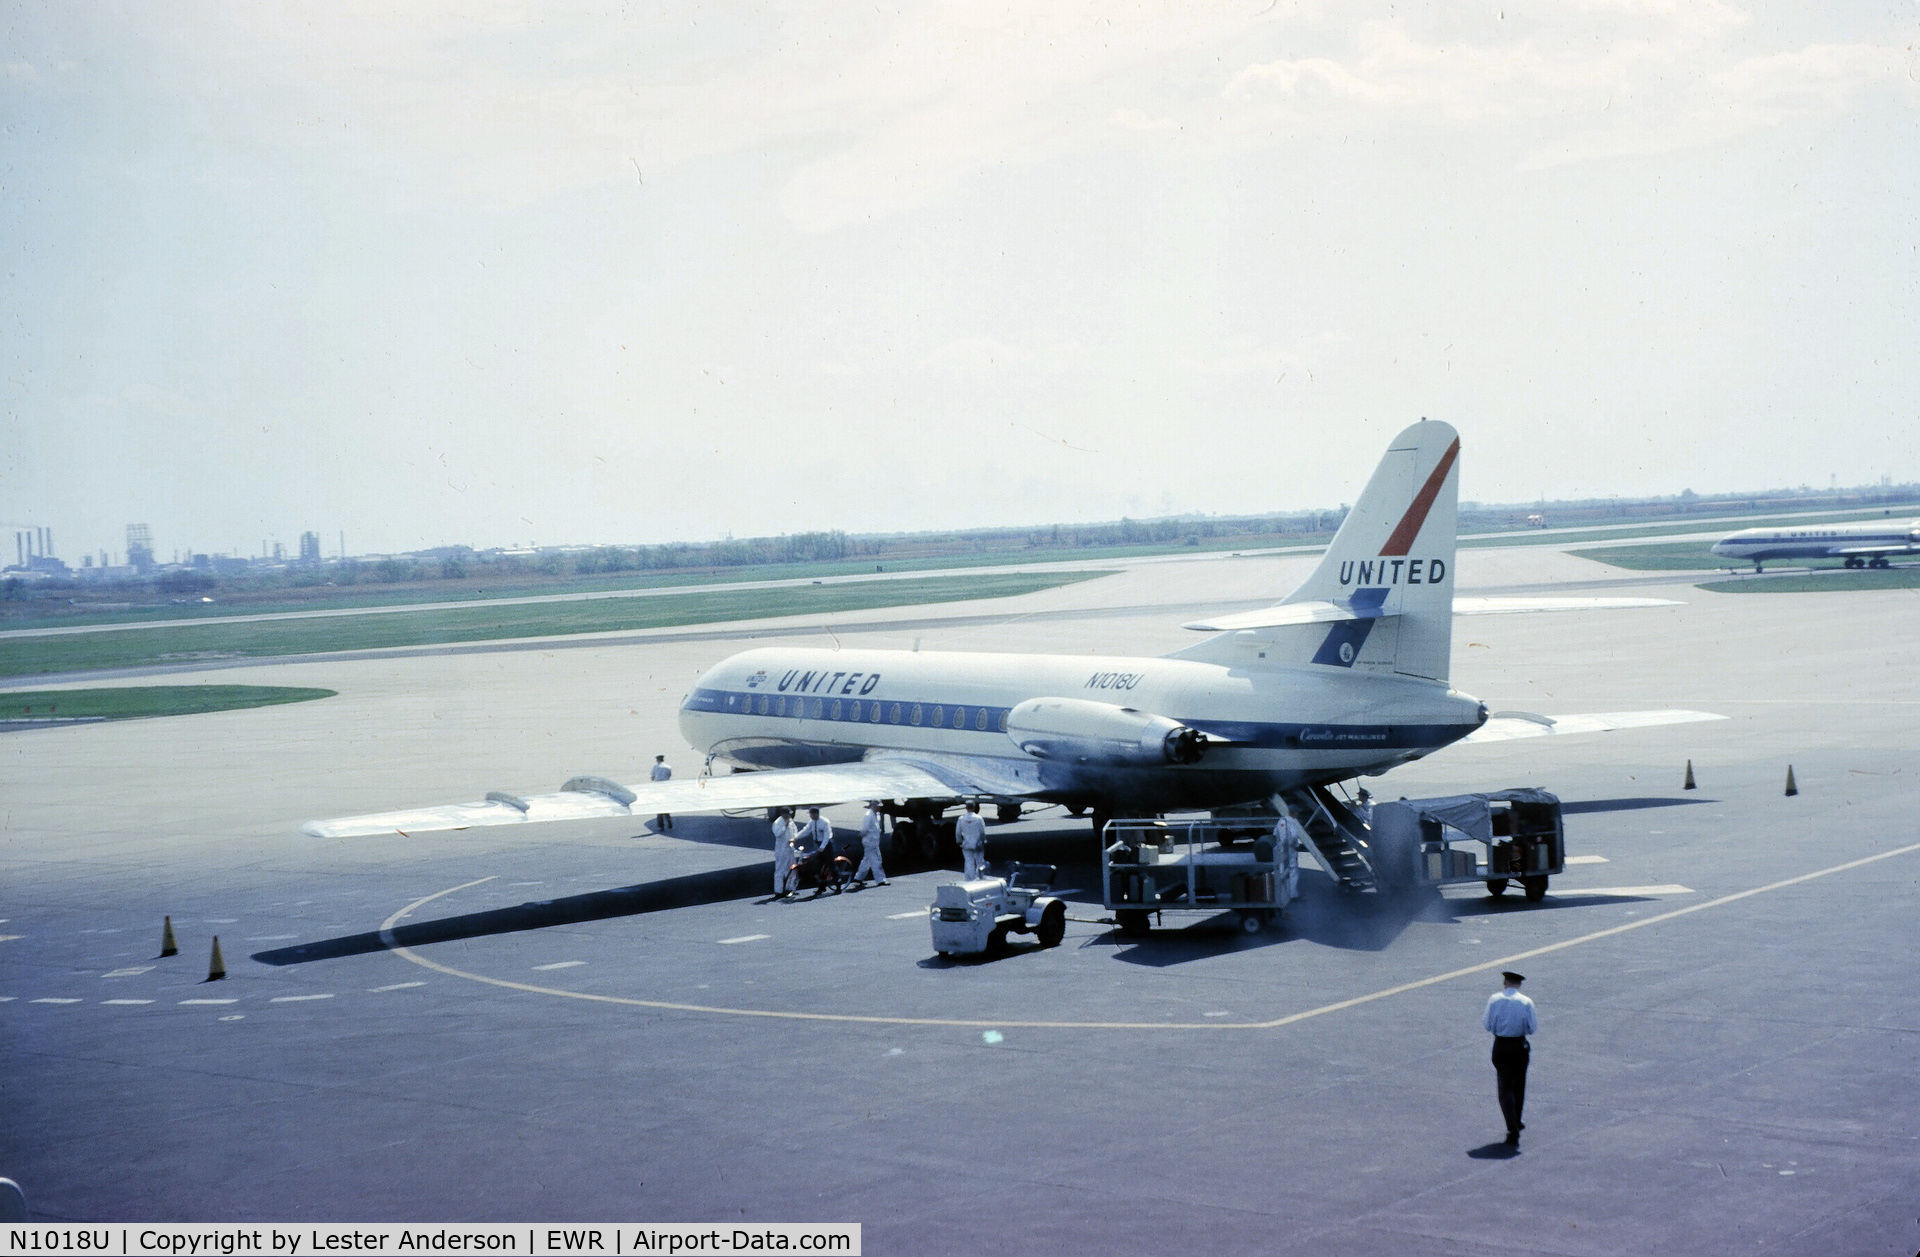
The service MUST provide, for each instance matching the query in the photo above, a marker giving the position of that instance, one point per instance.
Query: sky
(510, 272)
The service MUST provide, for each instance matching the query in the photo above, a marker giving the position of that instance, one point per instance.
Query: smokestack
(20, 547)
(49, 543)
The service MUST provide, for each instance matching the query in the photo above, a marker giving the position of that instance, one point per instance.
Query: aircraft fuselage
(1269, 728)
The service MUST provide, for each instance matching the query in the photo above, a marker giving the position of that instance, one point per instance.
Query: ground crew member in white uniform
(870, 839)
(782, 852)
(662, 773)
(1288, 837)
(1510, 1019)
(971, 830)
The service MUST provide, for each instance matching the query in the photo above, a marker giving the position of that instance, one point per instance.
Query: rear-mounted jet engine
(1080, 731)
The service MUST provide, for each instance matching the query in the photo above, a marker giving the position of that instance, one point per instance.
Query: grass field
(135, 647)
(1674, 556)
(1835, 580)
(127, 702)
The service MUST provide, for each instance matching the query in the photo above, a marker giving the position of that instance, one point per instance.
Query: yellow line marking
(1504, 962)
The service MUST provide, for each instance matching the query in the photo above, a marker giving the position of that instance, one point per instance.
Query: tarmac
(595, 1022)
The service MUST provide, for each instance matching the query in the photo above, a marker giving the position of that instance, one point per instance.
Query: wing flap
(592, 797)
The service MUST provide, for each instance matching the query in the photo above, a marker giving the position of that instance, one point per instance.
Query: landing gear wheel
(1006, 813)
(1100, 818)
(1131, 921)
(1076, 811)
(1053, 924)
(1536, 888)
(1496, 886)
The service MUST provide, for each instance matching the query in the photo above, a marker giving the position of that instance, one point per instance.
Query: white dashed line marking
(129, 973)
(8, 999)
(225, 920)
(1222, 1013)
(8, 938)
(53, 1001)
(901, 916)
(396, 986)
(1665, 889)
(744, 938)
(295, 999)
(269, 938)
(558, 964)
(1585, 859)
(209, 1001)
(126, 1001)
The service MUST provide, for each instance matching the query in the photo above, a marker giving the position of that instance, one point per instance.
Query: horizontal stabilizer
(586, 798)
(1503, 726)
(1516, 606)
(1328, 612)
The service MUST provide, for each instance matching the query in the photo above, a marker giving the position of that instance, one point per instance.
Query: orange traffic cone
(1689, 785)
(216, 966)
(1791, 788)
(168, 947)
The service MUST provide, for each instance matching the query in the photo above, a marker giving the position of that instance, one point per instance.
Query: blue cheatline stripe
(1277, 735)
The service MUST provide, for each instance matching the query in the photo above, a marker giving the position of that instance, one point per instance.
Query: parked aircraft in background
(1347, 676)
(1861, 545)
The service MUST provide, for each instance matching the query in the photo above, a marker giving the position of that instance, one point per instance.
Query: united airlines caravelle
(1348, 675)
(1861, 545)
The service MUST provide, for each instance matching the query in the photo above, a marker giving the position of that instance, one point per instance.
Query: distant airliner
(1861, 545)
(1346, 676)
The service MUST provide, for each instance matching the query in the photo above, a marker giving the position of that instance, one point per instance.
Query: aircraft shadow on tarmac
(717, 886)
(1625, 805)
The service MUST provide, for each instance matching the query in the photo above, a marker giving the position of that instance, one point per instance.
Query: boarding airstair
(1339, 837)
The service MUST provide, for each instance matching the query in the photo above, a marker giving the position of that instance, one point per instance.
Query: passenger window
(980, 719)
(939, 716)
(818, 706)
(763, 704)
(780, 706)
(1003, 722)
(893, 717)
(836, 709)
(915, 717)
(873, 713)
(959, 717)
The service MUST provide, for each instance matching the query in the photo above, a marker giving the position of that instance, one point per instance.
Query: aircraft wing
(1324, 612)
(584, 798)
(1503, 726)
(1870, 551)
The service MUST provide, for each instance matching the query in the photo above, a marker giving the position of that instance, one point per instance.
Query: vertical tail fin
(1391, 564)
(1394, 555)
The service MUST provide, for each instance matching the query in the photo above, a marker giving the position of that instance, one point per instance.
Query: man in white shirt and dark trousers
(662, 773)
(971, 830)
(1510, 1019)
(870, 840)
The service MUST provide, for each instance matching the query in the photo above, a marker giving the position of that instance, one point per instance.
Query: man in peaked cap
(1510, 1019)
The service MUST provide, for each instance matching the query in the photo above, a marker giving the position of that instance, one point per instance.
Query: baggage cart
(1152, 867)
(1496, 838)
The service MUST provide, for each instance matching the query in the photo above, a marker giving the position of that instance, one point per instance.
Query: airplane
(1346, 676)
(1861, 545)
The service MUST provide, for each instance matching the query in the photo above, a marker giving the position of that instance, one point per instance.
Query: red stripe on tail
(1409, 527)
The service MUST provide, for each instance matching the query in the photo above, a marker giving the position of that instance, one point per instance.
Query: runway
(593, 1022)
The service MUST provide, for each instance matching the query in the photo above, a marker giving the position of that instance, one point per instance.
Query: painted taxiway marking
(51, 1000)
(134, 972)
(395, 986)
(8, 938)
(558, 964)
(295, 999)
(209, 1001)
(1629, 891)
(1585, 859)
(1494, 965)
(126, 1001)
(743, 938)
(903, 916)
